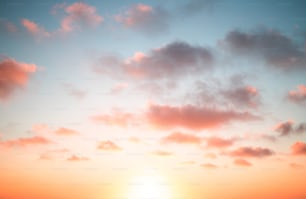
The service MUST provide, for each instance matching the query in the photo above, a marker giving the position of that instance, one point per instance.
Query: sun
(149, 187)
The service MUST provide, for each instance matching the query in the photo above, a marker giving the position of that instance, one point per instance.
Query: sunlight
(149, 187)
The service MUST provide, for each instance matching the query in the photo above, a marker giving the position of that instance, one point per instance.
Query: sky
(173, 99)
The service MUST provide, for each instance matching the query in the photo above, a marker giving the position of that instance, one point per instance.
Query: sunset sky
(173, 99)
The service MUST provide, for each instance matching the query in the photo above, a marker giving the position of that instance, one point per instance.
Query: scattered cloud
(34, 28)
(288, 128)
(172, 60)
(23, 142)
(275, 48)
(75, 158)
(217, 142)
(298, 148)
(257, 152)
(13, 75)
(66, 131)
(181, 138)
(299, 95)
(193, 117)
(145, 18)
(242, 162)
(108, 146)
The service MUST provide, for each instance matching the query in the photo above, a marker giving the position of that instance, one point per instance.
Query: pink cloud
(219, 142)
(181, 138)
(34, 28)
(257, 152)
(209, 166)
(193, 117)
(242, 162)
(108, 146)
(116, 118)
(298, 95)
(22, 142)
(80, 15)
(144, 18)
(75, 158)
(13, 75)
(298, 148)
(66, 132)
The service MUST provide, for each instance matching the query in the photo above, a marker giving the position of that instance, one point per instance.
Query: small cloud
(116, 118)
(75, 92)
(65, 131)
(7, 26)
(181, 138)
(298, 148)
(142, 17)
(209, 166)
(23, 142)
(34, 28)
(14, 75)
(242, 162)
(161, 153)
(108, 146)
(296, 166)
(256, 152)
(75, 158)
(288, 128)
(217, 142)
(299, 95)
(117, 88)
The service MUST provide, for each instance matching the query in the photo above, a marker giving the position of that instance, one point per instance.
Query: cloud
(75, 92)
(13, 75)
(275, 48)
(7, 26)
(115, 118)
(242, 162)
(296, 166)
(195, 6)
(66, 132)
(257, 152)
(75, 158)
(181, 138)
(298, 148)
(287, 128)
(299, 95)
(23, 142)
(80, 15)
(161, 153)
(193, 117)
(144, 18)
(108, 146)
(117, 88)
(34, 28)
(216, 142)
(209, 166)
(243, 96)
(172, 60)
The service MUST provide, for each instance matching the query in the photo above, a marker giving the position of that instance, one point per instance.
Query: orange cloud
(192, 117)
(65, 131)
(298, 95)
(209, 166)
(242, 162)
(74, 158)
(181, 138)
(108, 146)
(34, 28)
(298, 148)
(162, 153)
(219, 142)
(257, 152)
(13, 75)
(144, 18)
(79, 15)
(22, 142)
(116, 118)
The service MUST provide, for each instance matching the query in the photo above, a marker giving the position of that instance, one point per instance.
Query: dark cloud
(275, 48)
(257, 152)
(169, 61)
(288, 128)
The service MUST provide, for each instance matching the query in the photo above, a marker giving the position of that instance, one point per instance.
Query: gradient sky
(201, 98)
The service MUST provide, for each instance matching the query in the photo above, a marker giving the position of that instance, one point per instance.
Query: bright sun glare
(149, 187)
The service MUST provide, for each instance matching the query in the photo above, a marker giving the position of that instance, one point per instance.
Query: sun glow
(149, 187)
